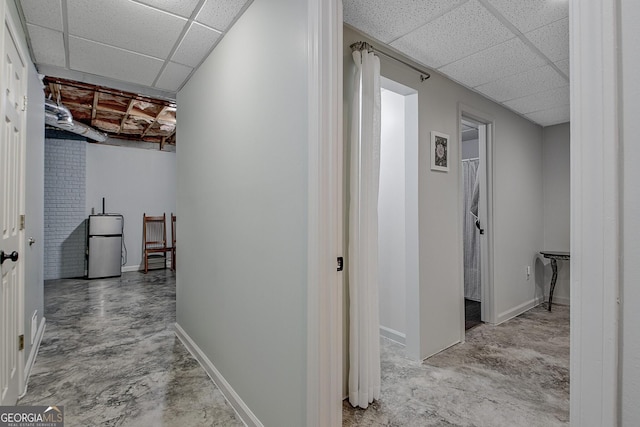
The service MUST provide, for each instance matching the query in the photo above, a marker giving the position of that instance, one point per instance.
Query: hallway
(512, 375)
(110, 356)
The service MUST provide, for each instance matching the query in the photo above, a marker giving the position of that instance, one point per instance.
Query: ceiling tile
(125, 24)
(552, 40)
(552, 116)
(195, 45)
(219, 14)
(527, 15)
(173, 76)
(183, 7)
(508, 58)
(386, 20)
(47, 46)
(464, 31)
(540, 101)
(564, 66)
(523, 84)
(45, 13)
(112, 62)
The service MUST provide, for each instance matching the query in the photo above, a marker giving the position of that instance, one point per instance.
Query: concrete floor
(110, 356)
(514, 374)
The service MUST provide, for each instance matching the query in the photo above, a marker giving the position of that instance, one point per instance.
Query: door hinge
(21, 342)
(22, 220)
(24, 103)
(340, 263)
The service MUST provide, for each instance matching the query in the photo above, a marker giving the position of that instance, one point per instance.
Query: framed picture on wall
(439, 151)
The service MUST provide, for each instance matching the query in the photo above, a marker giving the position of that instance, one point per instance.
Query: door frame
(486, 262)
(325, 283)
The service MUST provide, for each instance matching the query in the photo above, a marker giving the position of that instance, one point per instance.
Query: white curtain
(471, 246)
(364, 343)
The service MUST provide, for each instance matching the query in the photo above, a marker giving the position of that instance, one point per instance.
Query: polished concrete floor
(514, 374)
(110, 356)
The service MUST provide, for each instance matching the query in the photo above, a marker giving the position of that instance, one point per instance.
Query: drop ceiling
(515, 52)
(146, 46)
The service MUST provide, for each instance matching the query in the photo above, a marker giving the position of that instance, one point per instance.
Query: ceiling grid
(515, 52)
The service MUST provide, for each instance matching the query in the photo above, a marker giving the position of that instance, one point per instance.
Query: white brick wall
(64, 208)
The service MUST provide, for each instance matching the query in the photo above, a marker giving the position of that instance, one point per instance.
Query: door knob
(13, 256)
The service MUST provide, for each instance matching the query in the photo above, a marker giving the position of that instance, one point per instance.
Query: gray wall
(133, 181)
(242, 203)
(79, 174)
(557, 191)
(630, 278)
(518, 216)
(64, 207)
(34, 207)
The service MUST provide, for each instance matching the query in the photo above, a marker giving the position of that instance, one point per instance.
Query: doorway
(470, 148)
(398, 216)
(475, 149)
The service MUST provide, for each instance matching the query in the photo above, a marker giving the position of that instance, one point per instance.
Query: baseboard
(241, 408)
(393, 335)
(559, 300)
(128, 268)
(516, 311)
(34, 353)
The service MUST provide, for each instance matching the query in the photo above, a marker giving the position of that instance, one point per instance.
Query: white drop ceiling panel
(506, 49)
(195, 45)
(508, 58)
(455, 35)
(183, 7)
(523, 84)
(119, 23)
(219, 14)
(564, 66)
(527, 15)
(541, 101)
(48, 45)
(552, 116)
(387, 20)
(112, 62)
(45, 13)
(173, 76)
(552, 40)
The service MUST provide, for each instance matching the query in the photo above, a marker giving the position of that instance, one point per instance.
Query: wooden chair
(154, 238)
(173, 242)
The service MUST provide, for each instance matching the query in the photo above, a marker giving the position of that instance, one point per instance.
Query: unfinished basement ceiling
(147, 46)
(120, 115)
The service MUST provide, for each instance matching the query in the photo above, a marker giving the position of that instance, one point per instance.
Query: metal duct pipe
(59, 116)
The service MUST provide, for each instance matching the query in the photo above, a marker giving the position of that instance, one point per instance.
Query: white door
(12, 89)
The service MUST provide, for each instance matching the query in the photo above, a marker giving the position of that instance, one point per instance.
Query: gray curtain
(471, 234)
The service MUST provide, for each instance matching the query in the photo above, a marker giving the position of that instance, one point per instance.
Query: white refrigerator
(104, 258)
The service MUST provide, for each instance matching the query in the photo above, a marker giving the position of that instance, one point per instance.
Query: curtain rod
(364, 45)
